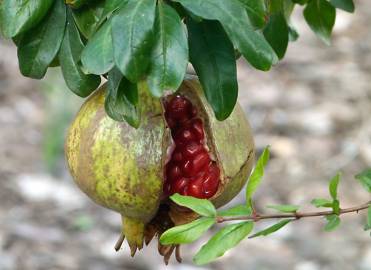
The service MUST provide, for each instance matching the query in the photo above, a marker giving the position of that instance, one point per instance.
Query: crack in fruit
(190, 170)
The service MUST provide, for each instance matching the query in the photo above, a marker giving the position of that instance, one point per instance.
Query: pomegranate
(180, 147)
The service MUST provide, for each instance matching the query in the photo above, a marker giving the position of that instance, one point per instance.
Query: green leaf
(293, 34)
(122, 99)
(110, 7)
(69, 57)
(336, 207)
(255, 11)
(347, 5)
(235, 21)
(227, 238)
(21, 15)
(365, 179)
(333, 186)
(321, 203)
(272, 228)
(97, 56)
(285, 208)
(202, 207)
(187, 233)
(320, 16)
(77, 3)
(368, 224)
(276, 33)
(213, 57)
(237, 211)
(256, 176)
(132, 31)
(169, 58)
(88, 18)
(333, 221)
(38, 47)
(300, 2)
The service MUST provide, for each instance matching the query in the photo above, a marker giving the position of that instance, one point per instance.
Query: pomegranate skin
(122, 168)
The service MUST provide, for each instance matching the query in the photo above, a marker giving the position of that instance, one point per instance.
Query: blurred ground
(313, 109)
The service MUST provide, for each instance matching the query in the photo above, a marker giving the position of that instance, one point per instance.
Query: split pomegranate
(191, 170)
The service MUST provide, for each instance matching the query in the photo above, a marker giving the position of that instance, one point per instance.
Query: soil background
(313, 109)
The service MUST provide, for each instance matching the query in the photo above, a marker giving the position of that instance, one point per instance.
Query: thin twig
(295, 215)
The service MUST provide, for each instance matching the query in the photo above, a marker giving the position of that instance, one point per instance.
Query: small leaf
(347, 5)
(285, 208)
(333, 186)
(256, 12)
(202, 207)
(213, 57)
(239, 210)
(257, 175)
(227, 238)
(368, 224)
(293, 34)
(121, 102)
(333, 222)
(69, 57)
(97, 56)
(132, 32)
(365, 179)
(169, 58)
(320, 16)
(336, 207)
(38, 47)
(187, 233)
(272, 228)
(88, 18)
(21, 15)
(276, 33)
(321, 203)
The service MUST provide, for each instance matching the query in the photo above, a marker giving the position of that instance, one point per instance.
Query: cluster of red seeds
(190, 171)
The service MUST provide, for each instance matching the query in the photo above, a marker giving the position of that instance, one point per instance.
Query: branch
(295, 215)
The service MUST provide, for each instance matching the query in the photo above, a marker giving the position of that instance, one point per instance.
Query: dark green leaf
(21, 15)
(320, 16)
(276, 33)
(69, 57)
(272, 228)
(333, 186)
(187, 233)
(77, 3)
(321, 203)
(169, 58)
(256, 12)
(88, 18)
(285, 208)
(333, 221)
(227, 238)
(300, 2)
(212, 56)
(121, 102)
(239, 210)
(38, 47)
(109, 7)
(365, 179)
(202, 207)
(97, 56)
(235, 21)
(256, 176)
(132, 30)
(368, 224)
(347, 5)
(293, 34)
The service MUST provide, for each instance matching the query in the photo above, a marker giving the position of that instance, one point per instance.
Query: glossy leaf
(256, 12)
(227, 238)
(276, 32)
(132, 30)
(213, 57)
(122, 99)
(320, 16)
(285, 208)
(202, 207)
(97, 56)
(237, 211)
(256, 175)
(187, 233)
(38, 47)
(69, 57)
(272, 228)
(321, 203)
(169, 57)
(88, 18)
(21, 15)
(235, 21)
(333, 221)
(347, 5)
(365, 179)
(333, 186)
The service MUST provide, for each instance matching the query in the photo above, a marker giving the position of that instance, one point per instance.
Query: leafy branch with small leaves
(232, 234)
